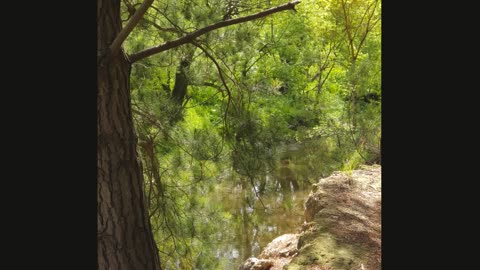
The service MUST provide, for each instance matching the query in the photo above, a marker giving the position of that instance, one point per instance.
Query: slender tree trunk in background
(125, 239)
(179, 91)
(181, 82)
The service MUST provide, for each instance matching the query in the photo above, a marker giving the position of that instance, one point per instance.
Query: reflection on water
(256, 222)
(258, 225)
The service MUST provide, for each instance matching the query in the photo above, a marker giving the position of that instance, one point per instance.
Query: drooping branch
(219, 69)
(117, 43)
(193, 35)
(220, 73)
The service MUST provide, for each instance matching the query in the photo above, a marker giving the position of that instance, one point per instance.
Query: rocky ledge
(342, 228)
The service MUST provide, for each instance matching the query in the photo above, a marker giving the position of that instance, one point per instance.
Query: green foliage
(310, 78)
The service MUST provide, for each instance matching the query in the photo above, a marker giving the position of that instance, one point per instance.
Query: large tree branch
(117, 43)
(193, 35)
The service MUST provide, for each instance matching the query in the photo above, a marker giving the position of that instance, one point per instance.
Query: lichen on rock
(343, 223)
(256, 264)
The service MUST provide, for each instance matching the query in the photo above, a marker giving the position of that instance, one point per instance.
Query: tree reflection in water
(256, 222)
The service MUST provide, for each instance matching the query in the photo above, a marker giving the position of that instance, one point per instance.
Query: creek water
(274, 207)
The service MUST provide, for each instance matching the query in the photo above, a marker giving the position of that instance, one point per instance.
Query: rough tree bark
(125, 239)
(124, 234)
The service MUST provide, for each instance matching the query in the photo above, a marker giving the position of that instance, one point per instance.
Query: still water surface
(280, 207)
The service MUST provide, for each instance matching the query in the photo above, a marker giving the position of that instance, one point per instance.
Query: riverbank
(341, 231)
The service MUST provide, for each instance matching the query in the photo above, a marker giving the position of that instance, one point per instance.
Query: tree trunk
(179, 91)
(181, 82)
(125, 239)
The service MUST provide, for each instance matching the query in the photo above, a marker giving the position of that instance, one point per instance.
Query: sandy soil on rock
(342, 229)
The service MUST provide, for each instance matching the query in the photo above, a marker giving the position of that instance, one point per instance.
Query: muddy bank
(342, 228)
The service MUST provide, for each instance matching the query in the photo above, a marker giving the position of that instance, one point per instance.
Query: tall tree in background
(124, 234)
